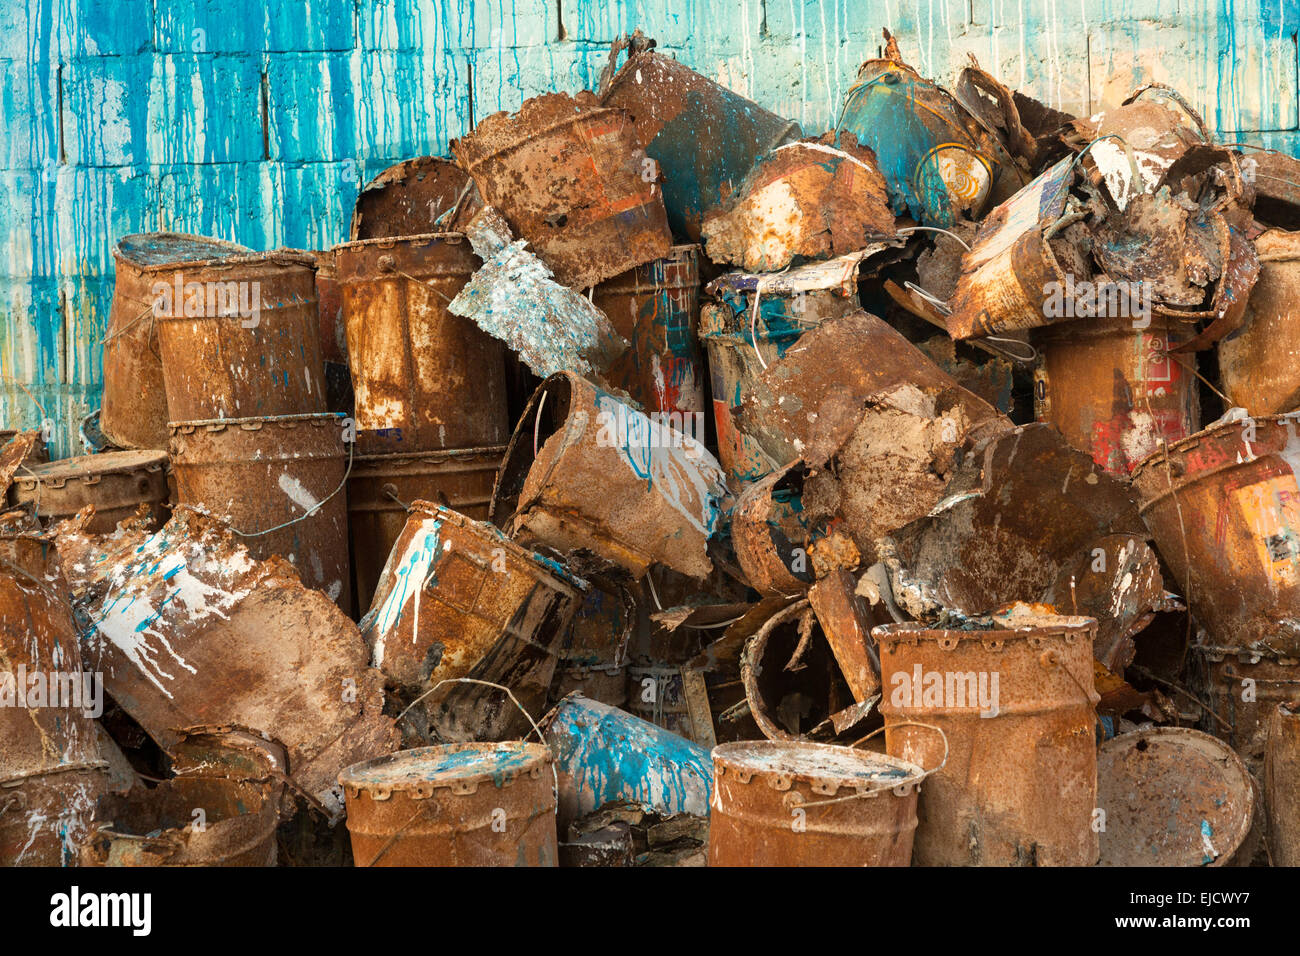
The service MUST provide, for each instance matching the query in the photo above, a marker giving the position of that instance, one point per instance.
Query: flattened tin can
(279, 482)
(704, 137)
(570, 177)
(382, 487)
(424, 379)
(806, 804)
(1014, 699)
(656, 307)
(241, 338)
(115, 482)
(453, 805)
(133, 413)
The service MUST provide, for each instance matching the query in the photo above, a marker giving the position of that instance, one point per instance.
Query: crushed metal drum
(585, 471)
(1243, 688)
(805, 804)
(1258, 363)
(415, 197)
(567, 174)
(279, 483)
(133, 411)
(470, 804)
(116, 483)
(1172, 797)
(1012, 697)
(1282, 796)
(240, 338)
(424, 378)
(382, 487)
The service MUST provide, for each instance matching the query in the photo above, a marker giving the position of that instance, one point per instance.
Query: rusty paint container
(51, 773)
(381, 488)
(806, 804)
(605, 755)
(232, 778)
(453, 805)
(1243, 688)
(570, 177)
(250, 347)
(1258, 363)
(1223, 506)
(459, 599)
(1281, 771)
(1114, 390)
(704, 137)
(425, 380)
(656, 307)
(133, 412)
(1015, 701)
(585, 471)
(265, 476)
(117, 483)
(415, 197)
(1172, 797)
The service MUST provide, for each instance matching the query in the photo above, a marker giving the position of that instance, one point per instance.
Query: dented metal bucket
(1223, 506)
(806, 804)
(1243, 688)
(1259, 364)
(569, 177)
(133, 413)
(116, 483)
(1014, 698)
(1281, 771)
(453, 805)
(1171, 797)
(382, 487)
(459, 599)
(704, 137)
(586, 472)
(51, 772)
(424, 379)
(248, 344)
(279, 482)
(656, 307)
(1114, 389)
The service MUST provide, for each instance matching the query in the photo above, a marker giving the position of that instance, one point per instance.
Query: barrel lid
(458, 767)
(105, 463)
(826, 766)
(165, 248)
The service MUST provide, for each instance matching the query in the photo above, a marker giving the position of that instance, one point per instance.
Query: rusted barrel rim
(1160, 455)
(247, 257)
(1108, 328)
(352, 779)
(688, 254)
(1245, 655)
(727, 761)
(1070, 627)
(122, 258)
(514, 123)
(441, 454)
(88, 468)
(316, 419)
(752, 650)
(392, 242)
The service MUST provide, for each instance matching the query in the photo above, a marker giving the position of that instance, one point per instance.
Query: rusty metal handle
(913, 723)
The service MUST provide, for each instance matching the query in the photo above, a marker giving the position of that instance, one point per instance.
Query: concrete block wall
(260, 120)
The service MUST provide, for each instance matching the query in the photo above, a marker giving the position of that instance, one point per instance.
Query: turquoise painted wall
(260, 121)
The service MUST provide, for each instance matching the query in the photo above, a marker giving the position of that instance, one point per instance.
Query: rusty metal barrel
(453, 805)
(1114, 390)
(381, 488)
(279, 483)
(656, 307)
(133, 412)
(1223, 506)
(424, 379)
(1014, 697)
(1243, 688)
(704, 137)
(1259, 364)
(805, 804)
(457, 598)
(569, 177)
(1282, 795)
(241, 338)
(117, 483)
(51, 773)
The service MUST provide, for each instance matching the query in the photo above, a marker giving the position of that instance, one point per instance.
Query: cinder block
(31, 330)
(428, 26)
(94, 208)
(106, 106)
(28, 230)
(504, 78)
(234, 201)
(312, 106)
(410, 105)
(318, 199)
(29, 113)
(54, 31)
(670, 22)
(218, 26)
(205, 109)
(87, 302)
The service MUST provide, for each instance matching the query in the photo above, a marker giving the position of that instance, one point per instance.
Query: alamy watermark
(37, 689)
(208, 300)
(627, 428)
(1100, 300)
(951, 690)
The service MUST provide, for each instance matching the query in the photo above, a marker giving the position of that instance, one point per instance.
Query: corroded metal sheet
(453, 805)
(1012, 697)
(770, 533)
(847, 624)
(804, 804)
(569, 177)
(1172, 797)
